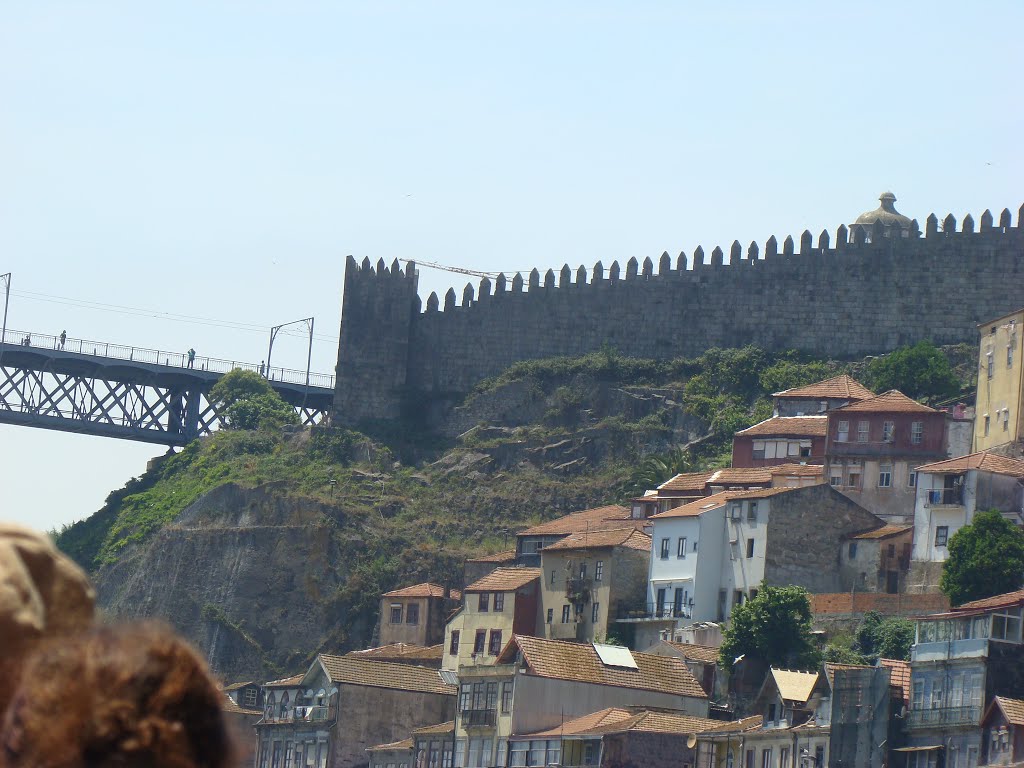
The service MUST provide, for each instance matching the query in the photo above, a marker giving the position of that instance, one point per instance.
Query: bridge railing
(161, 357)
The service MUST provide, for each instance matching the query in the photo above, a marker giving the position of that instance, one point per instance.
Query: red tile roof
(384, 674)
(580, 662)
(425, 589)
(729, 476)
(799, 470)
(764, 493)
(1013, 709)
(884, 532)
(998, 601)
(899, 676)
(394, 746)
(892, 401)
(788, 426)
(619, 720)
(228, 704)
(704, 653)
(622, 537)
(600, 517)
(404, 652)
(504, 580)
(687, 481)
(447, 727)
(286, 682)
(983, 461)
(841, 387)
(697, 507)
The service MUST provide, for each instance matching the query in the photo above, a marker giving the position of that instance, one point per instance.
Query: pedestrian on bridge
(63, 338)
(191, 358)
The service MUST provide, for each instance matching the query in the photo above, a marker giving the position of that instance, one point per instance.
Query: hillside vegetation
(270, 545)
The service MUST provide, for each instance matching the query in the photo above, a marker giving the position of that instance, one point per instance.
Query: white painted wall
(740, 572)
(698, 571)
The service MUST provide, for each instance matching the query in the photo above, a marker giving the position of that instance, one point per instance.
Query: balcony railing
(652, 611)
(943, 716)
(856, 448)
(300, 714)
(477, 718)
(953, 497)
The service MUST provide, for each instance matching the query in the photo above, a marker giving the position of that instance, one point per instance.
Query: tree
(920, 372)
(889, 638)
(986, 558)
(245, 400)
(774, 627)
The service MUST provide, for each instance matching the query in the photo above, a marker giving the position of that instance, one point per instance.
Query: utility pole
(273, 335)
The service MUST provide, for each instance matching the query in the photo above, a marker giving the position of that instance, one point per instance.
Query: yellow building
(999, 423)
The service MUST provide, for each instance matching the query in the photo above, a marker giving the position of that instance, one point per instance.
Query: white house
(949, 492)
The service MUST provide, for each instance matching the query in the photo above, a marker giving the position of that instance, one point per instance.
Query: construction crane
(457, 270)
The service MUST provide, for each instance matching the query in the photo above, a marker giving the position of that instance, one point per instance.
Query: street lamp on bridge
(308, 321)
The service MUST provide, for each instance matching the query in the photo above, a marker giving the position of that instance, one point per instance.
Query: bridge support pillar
(191, 426)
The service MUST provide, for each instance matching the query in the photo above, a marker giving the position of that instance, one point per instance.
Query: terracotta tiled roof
(899, 676)
(1012, 708)
(286, 682)
(744, 724)
(788, 426)
(884, 532)
(698, 507)
(504, 580)
(448, 727)
(831, 667)
(236, 686)
(892, 401)
(227, 704)
(705, 653)
(800, 470)
(837, 388)
(732, 476)
(405, 652)
(984, 461)
(580, 521)
(498, 557)
(998, 601)
(618, 720)
(687, 481)
(622, 537)
(794, 686)
(394, 746)
(384, 674)
(764, 493)
(576, 661)
(418, 590)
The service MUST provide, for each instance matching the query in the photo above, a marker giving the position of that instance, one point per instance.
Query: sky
(189, 174)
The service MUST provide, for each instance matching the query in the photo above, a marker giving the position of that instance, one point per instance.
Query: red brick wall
(889, 605)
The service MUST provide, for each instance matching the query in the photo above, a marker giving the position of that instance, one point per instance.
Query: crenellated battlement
(868, 289)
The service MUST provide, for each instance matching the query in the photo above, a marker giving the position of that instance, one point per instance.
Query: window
(941, 535)
(681, 547)
(1006, 419)
(464, 697)
(748, 760)
(412, 613)
(565, 614)
(554, 575)
(843, 433)
(753, 594)
(758, 449)
(664, 549)
(835, 476)
(752, 512)
(990, 364)
(599, 570)
(595, 613)
(250, 697)
(771, 712)
(694, 545)
(863, 431)
(1006, 624)
(734, 512)
(453, 646)
(737, 597)
(750, 548)
(396, 613)
(912, 478)
(986, 425)
(483, 601)
(766, 758)
(495, 645)
(885, 476)
(888, 430)
(492, 693)
(917, 432)
(479, 641)
(506, 696)
(499, 602)
(1009, 354)
(551, 615)
(783, 757)
(853, 478)
(852, 550)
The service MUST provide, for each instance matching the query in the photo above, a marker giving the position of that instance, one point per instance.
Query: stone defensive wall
(867, 291)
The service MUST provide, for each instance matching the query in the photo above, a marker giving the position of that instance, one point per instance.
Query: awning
(930, 748)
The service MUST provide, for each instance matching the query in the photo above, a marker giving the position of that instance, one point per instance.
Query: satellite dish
(691, 741)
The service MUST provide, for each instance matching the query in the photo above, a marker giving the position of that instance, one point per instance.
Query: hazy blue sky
(219, 160)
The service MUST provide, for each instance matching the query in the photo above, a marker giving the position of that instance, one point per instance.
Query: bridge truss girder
(109, 406)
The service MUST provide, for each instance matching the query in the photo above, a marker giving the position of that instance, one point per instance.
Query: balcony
(942, 650)
(478, 718)
(651, 612)
(880, 449)
(300, 714)
(945, 497)
(944, 716)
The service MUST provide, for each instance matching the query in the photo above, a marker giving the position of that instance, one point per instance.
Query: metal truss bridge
(147, 395)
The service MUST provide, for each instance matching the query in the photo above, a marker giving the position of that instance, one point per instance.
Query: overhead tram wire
(160, 315)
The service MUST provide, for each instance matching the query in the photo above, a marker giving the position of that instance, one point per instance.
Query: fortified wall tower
(882, 284)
